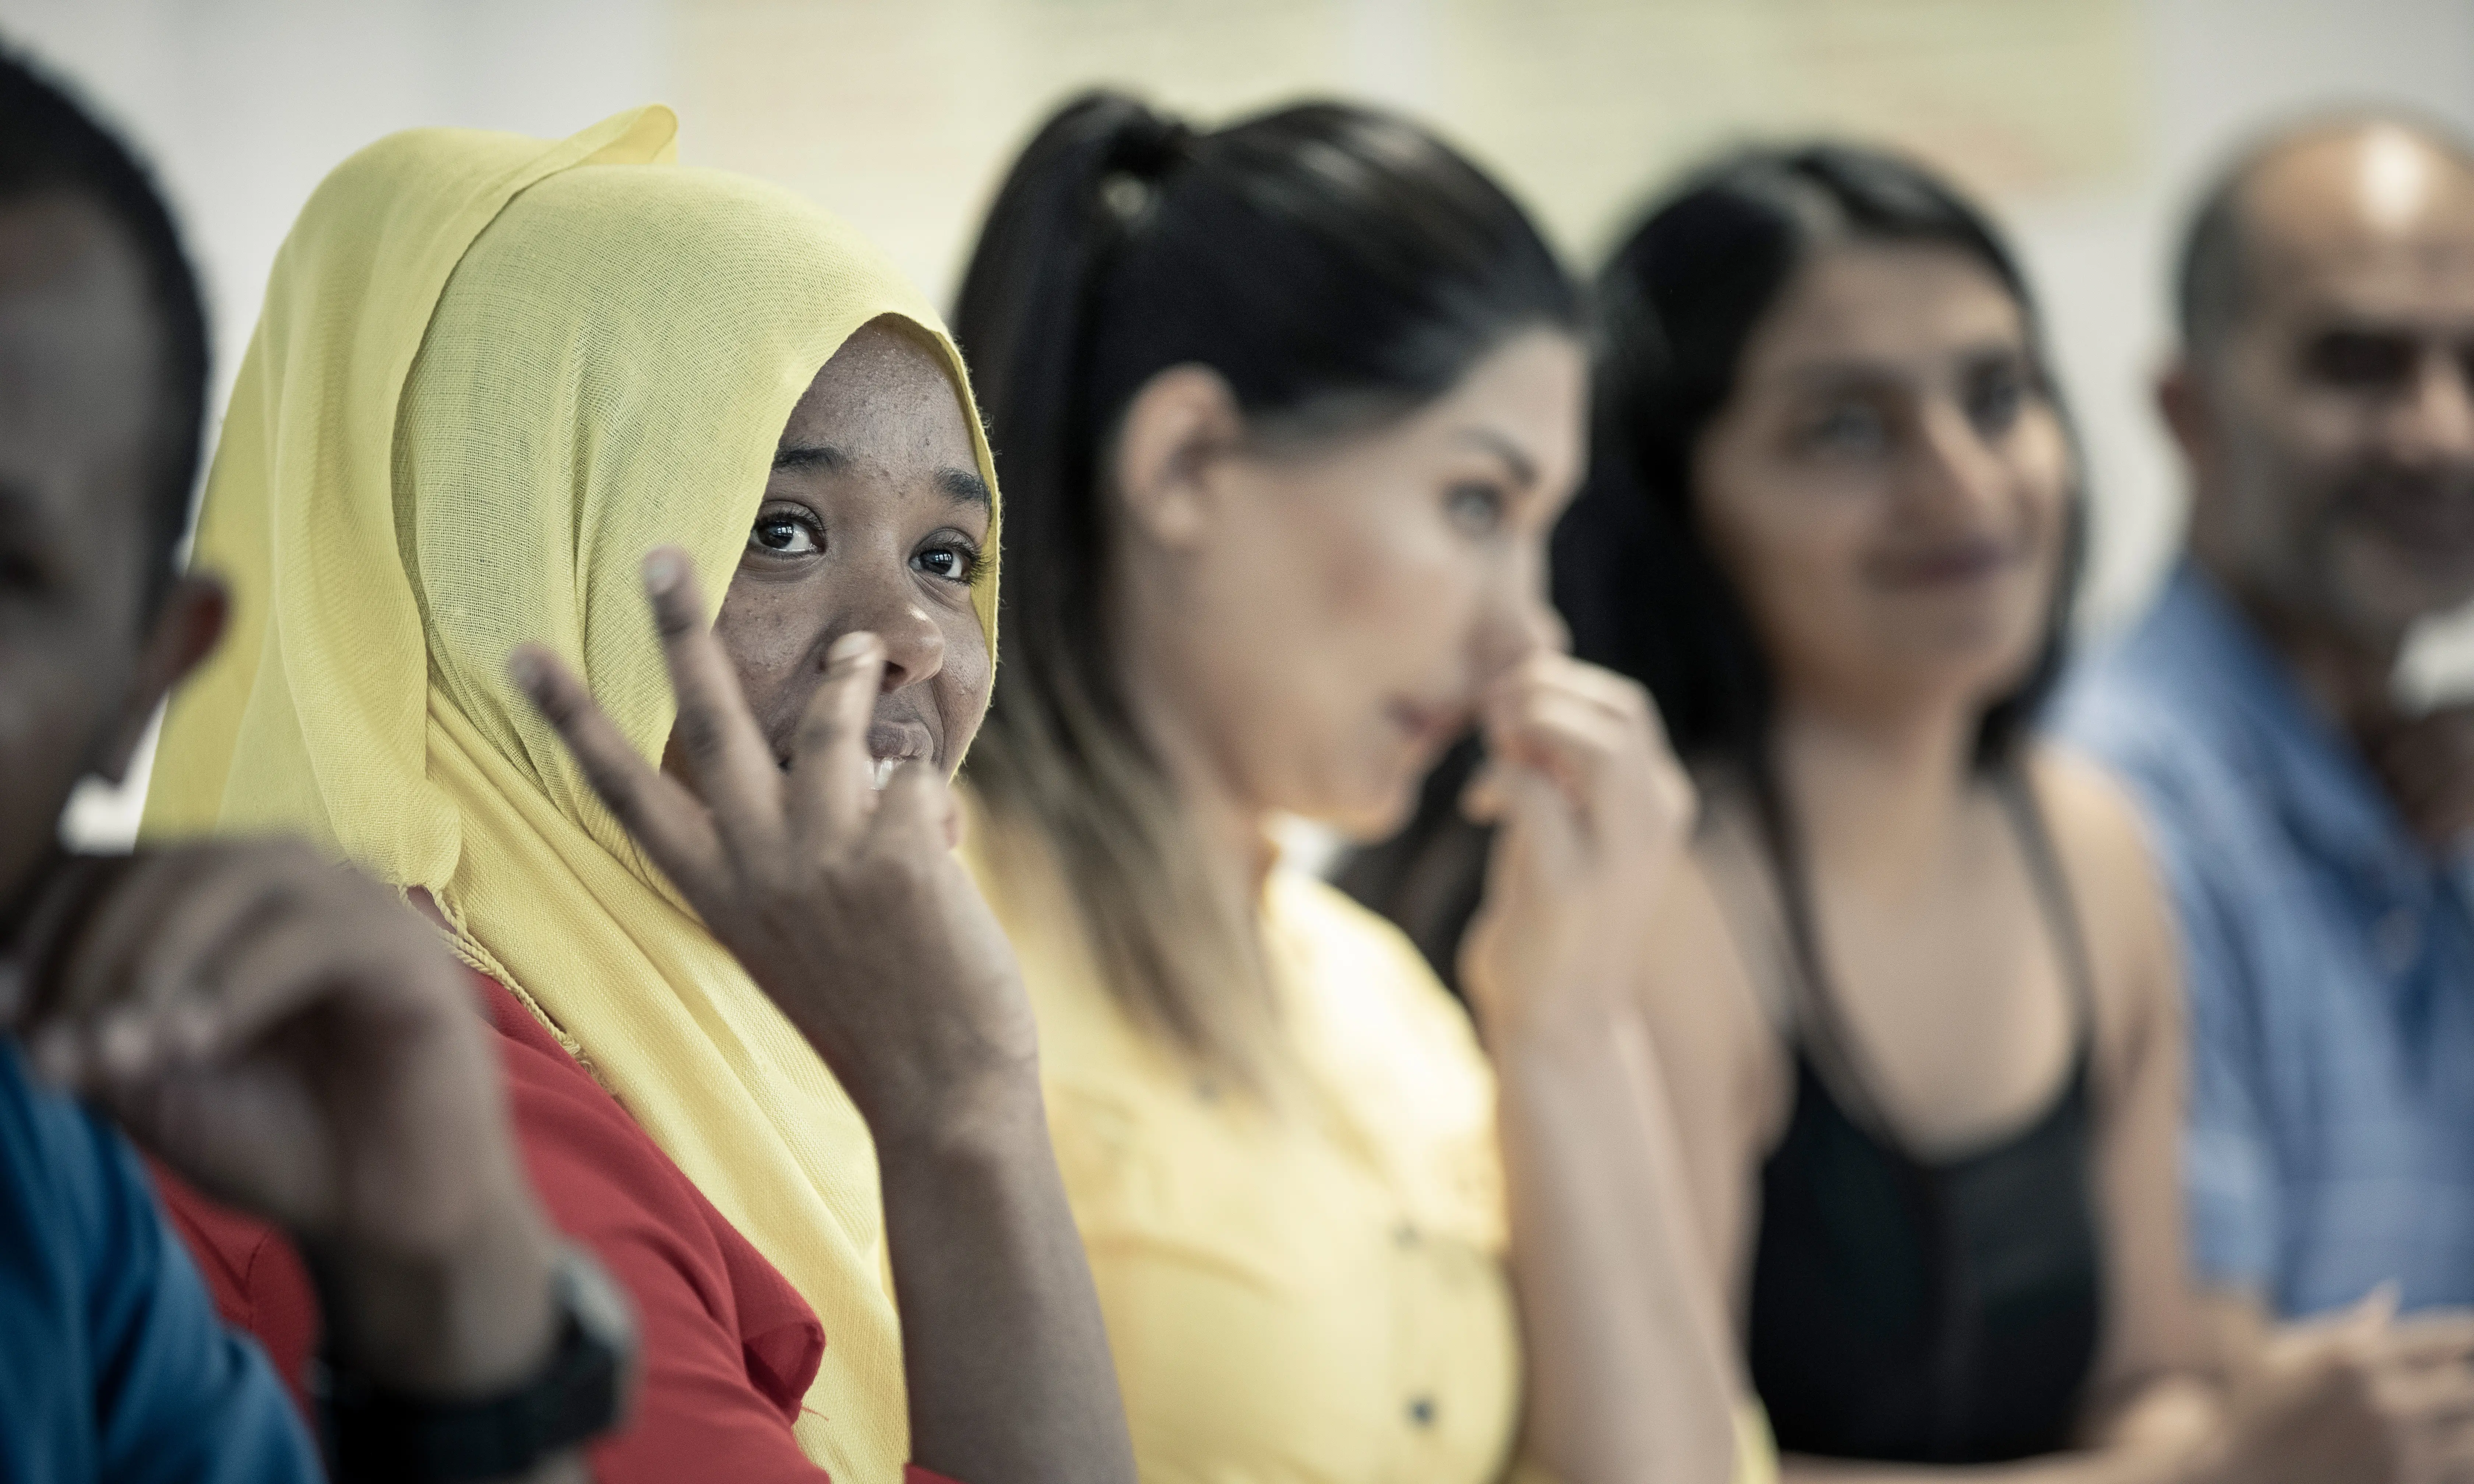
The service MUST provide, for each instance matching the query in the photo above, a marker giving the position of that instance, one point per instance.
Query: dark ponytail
(1337, 267)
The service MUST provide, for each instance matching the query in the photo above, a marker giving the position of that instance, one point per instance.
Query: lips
(891, 744)
(1950, 564)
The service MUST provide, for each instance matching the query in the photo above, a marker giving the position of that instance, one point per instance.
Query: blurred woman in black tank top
(1918, 1006)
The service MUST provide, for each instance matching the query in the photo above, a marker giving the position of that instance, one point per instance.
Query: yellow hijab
(491, 374)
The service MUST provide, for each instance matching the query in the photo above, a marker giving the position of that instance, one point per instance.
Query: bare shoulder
(2101, 839)
(1715, 1039)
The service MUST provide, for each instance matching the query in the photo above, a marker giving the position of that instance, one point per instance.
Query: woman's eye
(785, 535)
(951, 563)
(1475, 508)
(1850, 427)
(1994, 401)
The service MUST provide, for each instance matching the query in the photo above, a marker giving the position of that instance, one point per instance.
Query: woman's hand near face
(845, 904)
(1619, 1314)
(1592, 811)
(848, 908)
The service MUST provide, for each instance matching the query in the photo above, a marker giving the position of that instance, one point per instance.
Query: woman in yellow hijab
(501, 392)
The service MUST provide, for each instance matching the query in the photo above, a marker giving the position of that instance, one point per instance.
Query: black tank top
(1929, 1311)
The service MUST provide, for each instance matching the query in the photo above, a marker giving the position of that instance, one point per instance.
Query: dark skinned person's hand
(848, 908)
(844, 904)
(291, 1037)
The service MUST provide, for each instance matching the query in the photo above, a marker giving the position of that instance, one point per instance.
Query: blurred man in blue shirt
(2314, 836)
(284, 1033)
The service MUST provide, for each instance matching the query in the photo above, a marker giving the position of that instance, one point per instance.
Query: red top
(728, 1345)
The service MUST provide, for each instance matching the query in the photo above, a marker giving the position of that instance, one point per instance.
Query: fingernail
(851, 648)
(662, 571)
(524, 668)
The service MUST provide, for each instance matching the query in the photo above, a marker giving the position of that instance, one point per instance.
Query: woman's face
(874, 518)
(1322, 630)
(1888, 486)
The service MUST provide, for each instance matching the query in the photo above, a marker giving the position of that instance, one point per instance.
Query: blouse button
(1421, 1411)
(1405, 1235)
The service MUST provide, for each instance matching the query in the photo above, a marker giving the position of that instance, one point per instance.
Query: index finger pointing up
(733, 767)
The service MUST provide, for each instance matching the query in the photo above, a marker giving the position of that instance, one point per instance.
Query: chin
(2390, 591)
(1365, 814)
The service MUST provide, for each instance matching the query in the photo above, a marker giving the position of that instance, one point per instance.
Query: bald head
(2328, 189)
(2325, 394)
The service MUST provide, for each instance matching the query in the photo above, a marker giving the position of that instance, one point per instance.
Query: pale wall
(2085, 121)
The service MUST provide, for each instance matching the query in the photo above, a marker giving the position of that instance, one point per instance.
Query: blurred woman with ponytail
(1284, 412)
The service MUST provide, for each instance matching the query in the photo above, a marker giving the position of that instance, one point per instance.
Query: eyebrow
(1524, 469)
(1834, 373)
(963, 485)
(957, 483)
(816, 456)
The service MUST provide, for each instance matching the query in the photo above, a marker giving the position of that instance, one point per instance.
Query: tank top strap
(2053, 896)
(1818, 1025)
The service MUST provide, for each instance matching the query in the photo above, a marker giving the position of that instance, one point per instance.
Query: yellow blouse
(1312, 1296)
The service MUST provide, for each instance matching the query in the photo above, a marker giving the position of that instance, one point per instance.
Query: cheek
(2295, 440)
(1389, 591)
(1327, 622)
(965, 679)
(2045, 480)
(768, 632)
(1795, 556)
(54, 705)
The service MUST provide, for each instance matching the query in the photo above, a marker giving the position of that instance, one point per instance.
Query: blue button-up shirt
(2330, 965)
(113, 1367)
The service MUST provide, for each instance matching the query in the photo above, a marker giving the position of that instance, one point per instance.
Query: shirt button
(1421, 1411)
(1405, 1235)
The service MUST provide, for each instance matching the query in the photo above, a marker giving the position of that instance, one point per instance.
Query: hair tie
(1145, 154)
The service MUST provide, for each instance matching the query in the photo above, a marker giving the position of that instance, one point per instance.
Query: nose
(1517, 620)
(1956, 469)
(2436, 423)
(914, 646)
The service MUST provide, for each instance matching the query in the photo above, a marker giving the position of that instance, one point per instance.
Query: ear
(1174, 430)
(2182, 399)
(189, 619)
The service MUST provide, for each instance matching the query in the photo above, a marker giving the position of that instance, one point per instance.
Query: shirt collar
(2318, 780)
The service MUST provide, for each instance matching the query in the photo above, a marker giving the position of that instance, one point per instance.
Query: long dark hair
(1633, 573)
(1337, 267)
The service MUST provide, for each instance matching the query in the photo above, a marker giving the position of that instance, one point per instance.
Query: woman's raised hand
(843, 902)
(1591, 810)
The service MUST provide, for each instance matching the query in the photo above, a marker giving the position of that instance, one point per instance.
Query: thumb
(2370, 1318)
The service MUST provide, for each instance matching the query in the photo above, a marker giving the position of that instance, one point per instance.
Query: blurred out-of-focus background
(2086, 123)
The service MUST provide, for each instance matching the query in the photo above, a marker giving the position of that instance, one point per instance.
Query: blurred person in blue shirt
(2315, 833)
(282, 1033)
